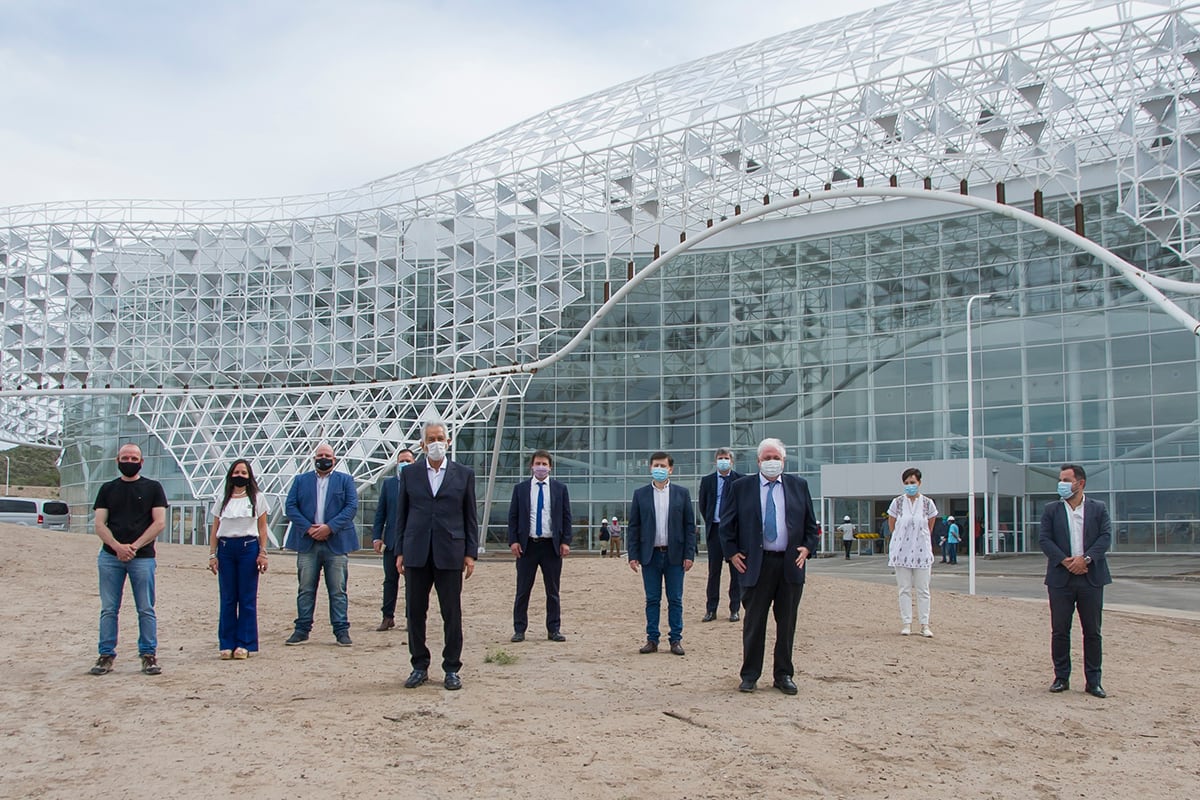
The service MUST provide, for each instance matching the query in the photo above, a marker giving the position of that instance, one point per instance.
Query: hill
(31, 466)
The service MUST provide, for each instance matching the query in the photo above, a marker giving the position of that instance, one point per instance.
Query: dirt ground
(965, 714)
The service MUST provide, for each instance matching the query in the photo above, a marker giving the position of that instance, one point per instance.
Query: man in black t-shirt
(130, 513)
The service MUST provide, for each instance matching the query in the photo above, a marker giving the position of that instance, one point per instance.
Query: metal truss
(289, 315)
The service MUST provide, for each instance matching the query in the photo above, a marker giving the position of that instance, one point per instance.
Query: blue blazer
(1055, 541)
(560, 514)
(742, 526)
(341, 504)
(681, 525)
(384, 527)
(445, 528)
(708, 494)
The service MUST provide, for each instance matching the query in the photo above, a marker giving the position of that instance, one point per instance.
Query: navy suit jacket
(742, 526)
(708, 494)
(384, 527)
(445, 528)
(341, 504)
(519, 512)
(1055, 541)
(681, 525)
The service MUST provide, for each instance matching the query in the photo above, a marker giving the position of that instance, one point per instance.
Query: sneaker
(297, 638)
(927, 631)
(241, 653)
(103, 665)
(906, 630)
(150, 664)
(343, 639)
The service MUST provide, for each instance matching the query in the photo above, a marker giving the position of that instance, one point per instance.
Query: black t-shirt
(130, 507)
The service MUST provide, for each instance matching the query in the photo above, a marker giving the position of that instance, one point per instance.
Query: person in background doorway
(614, 538)
(952, 539)
(847, 529)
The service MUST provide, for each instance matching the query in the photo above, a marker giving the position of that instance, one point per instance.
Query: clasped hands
(1076, 565)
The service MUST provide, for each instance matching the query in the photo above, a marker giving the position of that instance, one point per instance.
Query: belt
(774, 553)
(660, 549)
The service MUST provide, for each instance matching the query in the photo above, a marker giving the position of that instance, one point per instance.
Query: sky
(224, 99)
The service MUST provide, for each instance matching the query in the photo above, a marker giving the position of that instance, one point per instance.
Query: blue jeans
(308, 572)
(654, 575)
(112, 586)
(237, 578)
(951, 552)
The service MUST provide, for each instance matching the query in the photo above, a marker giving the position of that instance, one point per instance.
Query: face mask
(436, 451)
(240, 481)
(911, 489)
(724, 464)
(541, 472)
(323, 464)
(129, 468)
(771, 468)
(659, 474)
(1065, 489)
(400, 467)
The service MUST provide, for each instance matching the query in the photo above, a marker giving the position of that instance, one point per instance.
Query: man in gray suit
(1075, 536)
(437, 542)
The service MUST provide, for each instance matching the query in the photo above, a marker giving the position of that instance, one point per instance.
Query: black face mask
(323, 464)
(240, 481)
(129, 468)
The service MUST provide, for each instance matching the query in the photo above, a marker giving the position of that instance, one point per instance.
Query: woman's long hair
(251, 488)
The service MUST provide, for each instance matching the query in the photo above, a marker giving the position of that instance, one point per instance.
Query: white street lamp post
(971, 450)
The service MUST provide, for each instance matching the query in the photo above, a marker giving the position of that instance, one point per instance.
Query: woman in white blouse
(237, 556)
(910, 519)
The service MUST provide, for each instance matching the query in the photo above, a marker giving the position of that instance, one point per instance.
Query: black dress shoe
(709, 616)
(785, 684)
(556, 637)
(452, 681)
(417, 677)
(650, 646)
(746, 685)
(1095, 690)
(734, 617)
(677, 648)
(1060, 685)
(518, 637)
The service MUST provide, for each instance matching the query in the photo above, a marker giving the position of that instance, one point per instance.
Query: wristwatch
(1087, 559)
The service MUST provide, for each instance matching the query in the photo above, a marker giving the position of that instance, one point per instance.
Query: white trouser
(906, 579)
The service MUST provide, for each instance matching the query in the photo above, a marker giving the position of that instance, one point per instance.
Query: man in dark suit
(661, 538)
(1075, 536)
(539, 535)
(769, 531)
(321, 506)
(383, 538)
(714, 496)
(437, 542)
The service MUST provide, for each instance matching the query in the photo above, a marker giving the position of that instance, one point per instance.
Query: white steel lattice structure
(264, 326)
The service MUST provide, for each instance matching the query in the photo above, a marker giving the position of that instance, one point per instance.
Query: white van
(36, 512)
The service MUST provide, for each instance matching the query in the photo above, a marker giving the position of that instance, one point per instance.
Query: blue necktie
(769, 532)
(717, 506)
(541, 507)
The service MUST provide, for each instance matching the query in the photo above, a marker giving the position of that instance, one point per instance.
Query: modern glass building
(210, 330)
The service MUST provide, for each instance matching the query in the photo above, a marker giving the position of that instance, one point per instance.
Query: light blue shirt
(780, 543)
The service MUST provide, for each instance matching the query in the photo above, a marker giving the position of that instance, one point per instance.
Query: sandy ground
(965, 714)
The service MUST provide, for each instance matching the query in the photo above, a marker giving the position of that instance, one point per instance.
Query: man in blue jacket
(661, 537)
(321, 505)
(383, 539)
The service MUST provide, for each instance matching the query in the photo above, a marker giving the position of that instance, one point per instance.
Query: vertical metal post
(971, 450)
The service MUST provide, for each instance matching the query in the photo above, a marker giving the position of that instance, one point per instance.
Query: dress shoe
(650, 646)
(746, 685)
(1060, 685)
(452, 682)
(518, 637)
(677, 648)
(415, 679)
(387, 624)
(556, 637)
(734, 617)
(1095, 690)
(785, 684)
(709, 616)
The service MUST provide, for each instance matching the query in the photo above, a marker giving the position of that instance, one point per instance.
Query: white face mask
(436, 451)
(771, 468)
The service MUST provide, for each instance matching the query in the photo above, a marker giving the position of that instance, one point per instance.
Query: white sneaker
(927, 631)
(905, 631)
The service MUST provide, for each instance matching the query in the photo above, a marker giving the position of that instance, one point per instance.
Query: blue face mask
(400, 467)
(911, 489)
(659, 474)
(1065, 489)
(724, 464)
